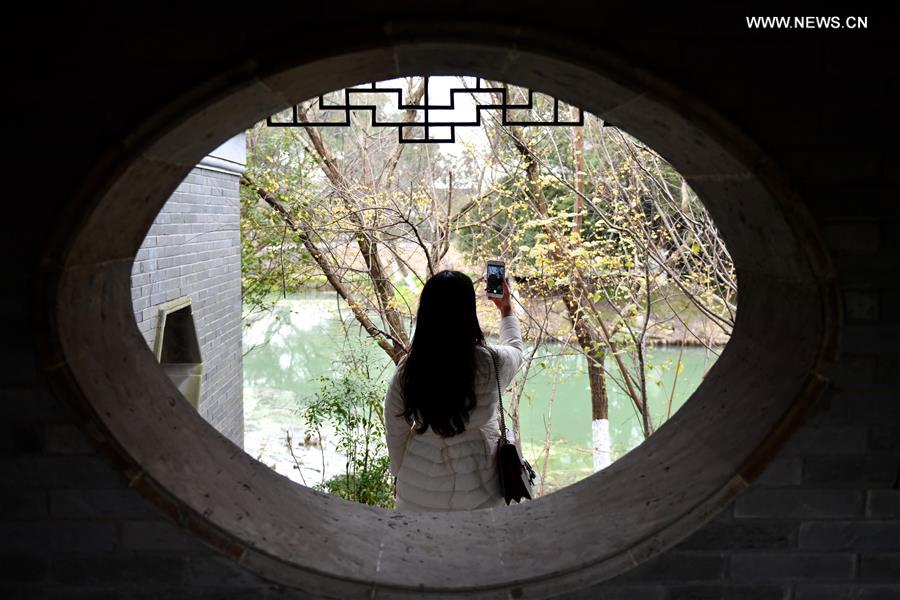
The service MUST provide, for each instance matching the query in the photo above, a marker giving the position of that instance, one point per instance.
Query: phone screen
(495, 276)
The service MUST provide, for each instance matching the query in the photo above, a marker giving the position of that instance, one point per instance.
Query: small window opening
(178, 350)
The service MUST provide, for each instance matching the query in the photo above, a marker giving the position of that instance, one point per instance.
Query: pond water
(289, 348)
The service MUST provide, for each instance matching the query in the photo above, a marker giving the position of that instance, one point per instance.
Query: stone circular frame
(775, 366)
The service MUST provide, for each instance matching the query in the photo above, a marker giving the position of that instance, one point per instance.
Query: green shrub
(352, 402)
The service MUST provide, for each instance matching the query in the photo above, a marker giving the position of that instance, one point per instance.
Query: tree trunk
(578, 153)
(366, 239)
(596, 374)
(589, 343)
(305, 236)
(595, 355)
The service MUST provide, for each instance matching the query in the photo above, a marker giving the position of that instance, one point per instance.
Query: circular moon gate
(774, 367)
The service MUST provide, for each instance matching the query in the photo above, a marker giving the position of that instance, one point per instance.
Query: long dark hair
(438, 376)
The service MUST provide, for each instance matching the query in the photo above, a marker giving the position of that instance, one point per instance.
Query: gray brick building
(192, 254)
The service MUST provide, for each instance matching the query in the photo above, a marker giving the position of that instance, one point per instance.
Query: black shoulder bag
(516, 474)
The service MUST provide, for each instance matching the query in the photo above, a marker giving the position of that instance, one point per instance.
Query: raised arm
(510, 348)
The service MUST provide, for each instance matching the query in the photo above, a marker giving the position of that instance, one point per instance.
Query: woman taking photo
(441, 408)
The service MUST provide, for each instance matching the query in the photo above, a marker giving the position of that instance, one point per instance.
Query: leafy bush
(352, 402)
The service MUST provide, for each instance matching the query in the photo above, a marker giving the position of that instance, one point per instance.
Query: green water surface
(288, 349)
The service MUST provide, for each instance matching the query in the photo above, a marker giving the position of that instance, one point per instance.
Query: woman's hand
(504, 303)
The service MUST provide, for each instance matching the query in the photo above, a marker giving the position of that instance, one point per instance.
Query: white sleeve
(396, 428)
(510, 349)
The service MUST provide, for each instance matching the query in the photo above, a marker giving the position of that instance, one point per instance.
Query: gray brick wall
(193, 249)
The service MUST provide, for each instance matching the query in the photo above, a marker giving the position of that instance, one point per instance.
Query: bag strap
(499, 395)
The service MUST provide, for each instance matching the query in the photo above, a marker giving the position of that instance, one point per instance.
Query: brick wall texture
(193, 249)
(822, 523)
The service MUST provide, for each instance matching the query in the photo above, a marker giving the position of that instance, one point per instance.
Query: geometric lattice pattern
(428, 126)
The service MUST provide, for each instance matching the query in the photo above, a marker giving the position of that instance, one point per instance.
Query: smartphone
(496, 273)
